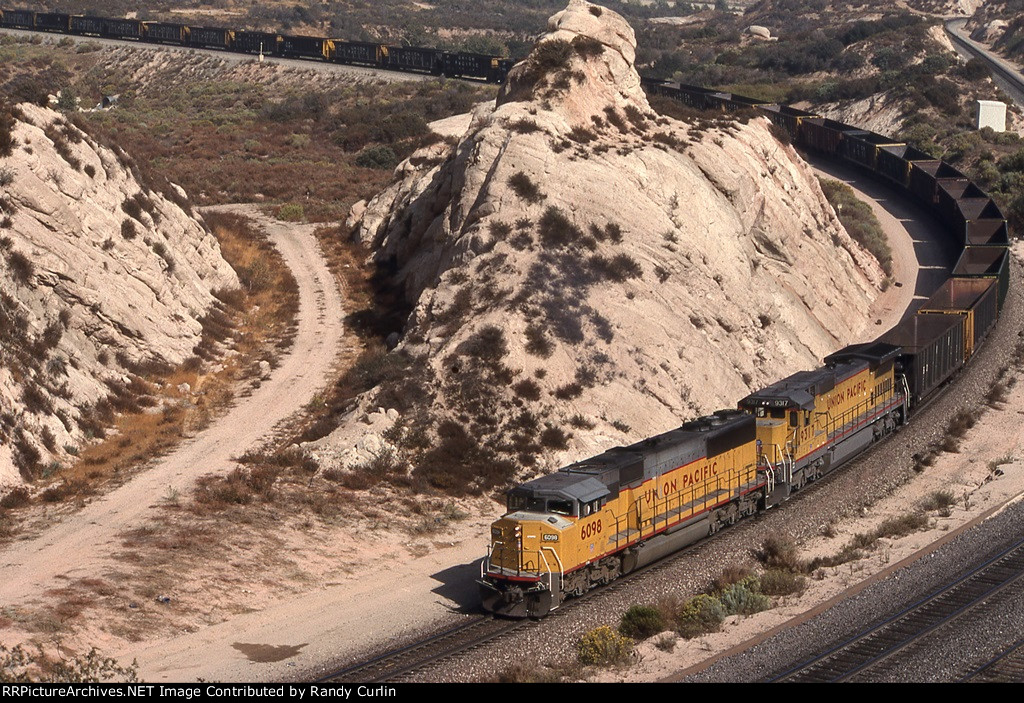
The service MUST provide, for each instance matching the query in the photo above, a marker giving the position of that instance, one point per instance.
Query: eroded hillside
(584, 272)
(100, 277)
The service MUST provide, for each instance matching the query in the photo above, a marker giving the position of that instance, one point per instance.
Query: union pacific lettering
(688, 478)
(851, 393)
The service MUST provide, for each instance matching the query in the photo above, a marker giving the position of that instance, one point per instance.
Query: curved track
(1006, 76)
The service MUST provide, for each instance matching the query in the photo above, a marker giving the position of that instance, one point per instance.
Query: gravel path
(79, 546)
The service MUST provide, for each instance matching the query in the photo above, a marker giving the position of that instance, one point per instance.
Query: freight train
(603, 517)
(452, 64)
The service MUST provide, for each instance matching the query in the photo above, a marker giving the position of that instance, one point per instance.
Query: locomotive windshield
(541, 504)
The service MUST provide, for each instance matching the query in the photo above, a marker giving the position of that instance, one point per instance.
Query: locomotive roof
(603, 474)
(800, 389)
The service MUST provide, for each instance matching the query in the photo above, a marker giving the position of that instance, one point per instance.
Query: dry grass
(150, 416)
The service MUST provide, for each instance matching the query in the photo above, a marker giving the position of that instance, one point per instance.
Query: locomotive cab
(534, 543)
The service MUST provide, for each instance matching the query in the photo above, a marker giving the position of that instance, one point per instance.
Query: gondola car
(166, 32)
(414, 58)
(267, 43)
(210, 37)
(358, 52)
(53, 22)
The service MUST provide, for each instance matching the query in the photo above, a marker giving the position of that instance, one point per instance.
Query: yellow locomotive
(603, 517)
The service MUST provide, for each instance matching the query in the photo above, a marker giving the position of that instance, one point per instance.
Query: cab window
(561, 507)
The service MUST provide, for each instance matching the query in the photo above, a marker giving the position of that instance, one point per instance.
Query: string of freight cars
(453, 64)
(605, 516)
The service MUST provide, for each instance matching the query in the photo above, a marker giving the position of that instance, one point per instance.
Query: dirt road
(81, 544)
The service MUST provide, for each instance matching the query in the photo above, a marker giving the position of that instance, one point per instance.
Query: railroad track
(1005, 667)
(1003, 71)
(403, 661)
(868, 651)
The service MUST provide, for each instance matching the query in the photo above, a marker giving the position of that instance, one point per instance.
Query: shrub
(603, 646)
(731, 575)
(525, 188)
(550, 57)
(6, 176)
(291, 212)
(744, 598)
(17, 497)
(619, 268)
(128, 229)
(587, 47)
(901, 525)
(524, 126)
(556, 229)
(569, 391)
(132, 208)
(22, 267)
(487, 344)
(378, 156)
(554, 438)
(937, 500)
(699, 616)
(859, 221)
(641, 622)
(779, 553)
(537, 342)
(780, 582)
(528, 389)
(582, 135)
(7, 140)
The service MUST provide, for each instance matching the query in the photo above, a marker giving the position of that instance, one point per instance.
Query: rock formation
(585, 272)
(98, 274)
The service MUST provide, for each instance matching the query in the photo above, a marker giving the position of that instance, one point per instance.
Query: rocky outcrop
(98, 275)
(585, 272)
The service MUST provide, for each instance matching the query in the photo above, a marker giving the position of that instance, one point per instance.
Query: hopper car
(437, 62)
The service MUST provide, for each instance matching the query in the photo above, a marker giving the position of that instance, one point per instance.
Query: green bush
(780, 582)
(291, 212)
(641, 622)
(859, 221)
(699, 616)
(744, 598)
(603, 646)
(377, 156)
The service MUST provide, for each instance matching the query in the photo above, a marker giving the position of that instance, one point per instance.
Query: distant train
(603, 517)
(453, 64)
